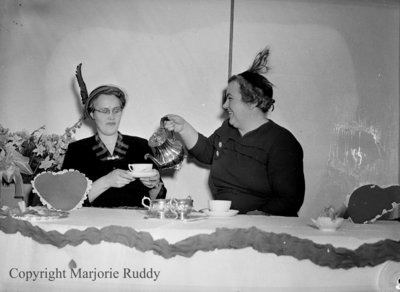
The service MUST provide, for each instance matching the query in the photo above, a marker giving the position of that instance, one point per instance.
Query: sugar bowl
(182, 207)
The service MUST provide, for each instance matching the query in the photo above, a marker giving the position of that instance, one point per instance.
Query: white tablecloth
(112, 264)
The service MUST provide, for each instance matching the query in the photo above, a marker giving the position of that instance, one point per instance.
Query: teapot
(168, 152)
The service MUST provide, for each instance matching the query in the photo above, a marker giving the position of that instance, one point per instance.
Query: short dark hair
(255, 88)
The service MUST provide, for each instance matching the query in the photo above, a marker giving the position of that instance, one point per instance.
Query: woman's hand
(175, 123)
(186, 131)
(116, 179)
(152, 181)
(119, 178)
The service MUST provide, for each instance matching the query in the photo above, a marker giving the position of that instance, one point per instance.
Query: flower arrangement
(23, 155)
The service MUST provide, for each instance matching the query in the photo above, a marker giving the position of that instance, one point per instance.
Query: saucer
(229, 213)
(38, 213)
(138, 174)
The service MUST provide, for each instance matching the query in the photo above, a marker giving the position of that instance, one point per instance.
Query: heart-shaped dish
(63, 191)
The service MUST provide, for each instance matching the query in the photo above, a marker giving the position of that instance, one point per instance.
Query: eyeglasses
(107, 111)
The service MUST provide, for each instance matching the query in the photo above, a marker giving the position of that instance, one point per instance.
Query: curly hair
(254, 87)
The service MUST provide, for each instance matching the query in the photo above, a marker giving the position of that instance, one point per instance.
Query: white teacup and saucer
(141, 170)
(220, 208)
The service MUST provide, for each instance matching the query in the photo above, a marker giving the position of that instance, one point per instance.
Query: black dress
(91, 157)
(262, 170)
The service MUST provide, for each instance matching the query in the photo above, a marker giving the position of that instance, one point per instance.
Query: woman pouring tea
(255, 163)
(104, 157)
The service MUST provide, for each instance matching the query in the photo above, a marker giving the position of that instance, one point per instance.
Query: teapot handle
(163, 119)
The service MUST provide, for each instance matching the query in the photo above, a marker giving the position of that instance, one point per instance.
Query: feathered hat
(83, 91)
(260, 66)
(254, 76)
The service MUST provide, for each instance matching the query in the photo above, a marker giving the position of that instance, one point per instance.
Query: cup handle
(144, 204)
(130, 167)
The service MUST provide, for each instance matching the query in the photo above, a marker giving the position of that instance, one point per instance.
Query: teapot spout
(155, 160)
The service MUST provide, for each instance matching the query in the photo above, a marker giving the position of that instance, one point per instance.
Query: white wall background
(334, 63)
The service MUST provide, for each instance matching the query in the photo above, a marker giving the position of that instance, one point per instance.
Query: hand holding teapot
(168, 152)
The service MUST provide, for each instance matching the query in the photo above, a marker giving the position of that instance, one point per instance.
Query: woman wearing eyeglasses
(104, 157)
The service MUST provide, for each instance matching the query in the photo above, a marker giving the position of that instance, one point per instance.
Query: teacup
(140, 167)
(219, 205)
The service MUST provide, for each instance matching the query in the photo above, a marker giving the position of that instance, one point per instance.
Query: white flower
(46, 163)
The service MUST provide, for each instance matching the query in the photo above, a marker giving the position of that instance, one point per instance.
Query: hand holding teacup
(144, 171)
(118, 178)
(151, 181)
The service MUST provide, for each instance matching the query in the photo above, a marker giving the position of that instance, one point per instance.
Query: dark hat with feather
(254, 76)
(83, 91)
(103, 89)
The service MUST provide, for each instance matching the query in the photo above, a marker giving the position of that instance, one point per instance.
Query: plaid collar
(102, 152)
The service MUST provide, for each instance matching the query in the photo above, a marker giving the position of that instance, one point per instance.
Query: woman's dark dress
(91, 157)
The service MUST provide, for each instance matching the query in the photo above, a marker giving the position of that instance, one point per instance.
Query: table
(97, 249)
